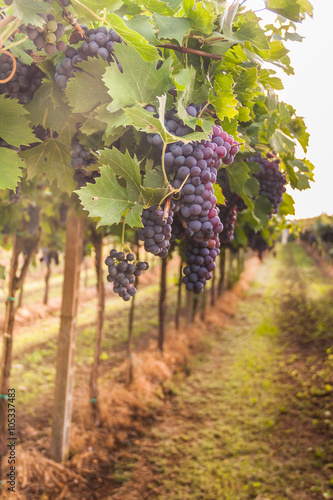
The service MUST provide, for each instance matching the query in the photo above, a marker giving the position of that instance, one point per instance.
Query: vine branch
(186, 50)
(6, 20)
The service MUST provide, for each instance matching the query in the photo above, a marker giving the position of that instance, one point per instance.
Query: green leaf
(133, 39)
(223, 98)
(220, 198)
(124, 166)
(268, 81)
(106, 200)
(249, 31)
(143, 25)
(251, 187)
(302, 181)
(140, 81)
(158, 7)
(238, 174)
(112, 120)
(14, 124)
(51, 158)
(286, 8)
(154, 178)
(10, 168)
(96, 6)
(262, 209)
(28, 11)
(43, 110)
(172, 28)
(86, 90)
(246, 84)
(287, 205)
(282, 143)
(202, 15)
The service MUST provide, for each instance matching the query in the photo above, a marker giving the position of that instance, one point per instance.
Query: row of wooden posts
(63, 395)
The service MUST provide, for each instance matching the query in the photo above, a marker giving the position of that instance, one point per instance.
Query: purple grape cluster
(122, 272)
(81, 160)
(228, 215)
(271, 180)
(156, 232)
(25, 81)
(200, 259)
(100, 43)
(48, 36)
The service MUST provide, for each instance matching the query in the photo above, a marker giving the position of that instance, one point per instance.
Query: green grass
(237, 428)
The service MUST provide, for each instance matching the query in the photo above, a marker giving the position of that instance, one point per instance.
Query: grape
(271, 180)
(81, 159)
(228, 216)
(25, 82)
(100, 44)
(122, 272)
(51, 26)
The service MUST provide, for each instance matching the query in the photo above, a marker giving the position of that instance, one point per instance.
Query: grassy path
(253, 420)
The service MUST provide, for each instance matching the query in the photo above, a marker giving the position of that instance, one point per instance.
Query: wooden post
(63, 396)
(230, 270)
(203, 305)
(15, 282)
(97, 241)
(161, 305)
(131, 321)
(179, 294)
(47, 280)
(212, 290)
(222, 272)
(189, 307)
(7, 346)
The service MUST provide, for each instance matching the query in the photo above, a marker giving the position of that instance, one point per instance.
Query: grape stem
(166, 182)
(181, 48)
(203, 109)
(9, 31)
(166, 208)
(101, 19)
(6, 20)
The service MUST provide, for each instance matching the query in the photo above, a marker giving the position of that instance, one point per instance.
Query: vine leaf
(140, 81)
(51, 158)
(118, 192)
(14, 124)
(220, 198)
(172, 28)
(10, 168)
(43, 110)
(287, 205)
(262, 209)
(223, 98)
(28, 11)
(250, 31)
(133, 38)
(86, 90)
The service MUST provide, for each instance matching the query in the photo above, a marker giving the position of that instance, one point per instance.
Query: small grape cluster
(228, 214)
(25, 81)
(122, 272)
(100, 43)
(156, 232)
(200, 258)
(81, 160)
(271, 180)
(48, 36)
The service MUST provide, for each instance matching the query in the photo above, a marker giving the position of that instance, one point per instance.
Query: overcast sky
(309, 91)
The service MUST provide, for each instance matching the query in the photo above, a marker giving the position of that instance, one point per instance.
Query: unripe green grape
(50, 38)
(51, 26)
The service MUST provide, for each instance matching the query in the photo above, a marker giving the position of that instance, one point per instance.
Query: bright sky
(309, 91)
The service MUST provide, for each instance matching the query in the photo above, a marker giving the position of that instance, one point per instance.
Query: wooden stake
(179, 294)
(62, 410)
(222, 272)
(161, 305)
(97, 241)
